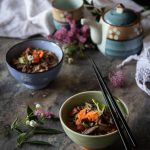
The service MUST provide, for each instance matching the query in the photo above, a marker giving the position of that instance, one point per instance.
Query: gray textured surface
(72, 79)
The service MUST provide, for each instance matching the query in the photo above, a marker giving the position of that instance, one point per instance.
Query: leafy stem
(26, 131)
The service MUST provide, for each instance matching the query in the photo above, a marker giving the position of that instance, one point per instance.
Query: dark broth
(33, 60)
(86, 120)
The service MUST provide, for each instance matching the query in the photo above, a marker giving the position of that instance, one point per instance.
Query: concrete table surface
(72, 79)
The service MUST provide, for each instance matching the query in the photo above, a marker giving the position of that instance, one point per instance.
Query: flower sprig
(73, 40)
(33, 124)
(116, 78)
(97, 12)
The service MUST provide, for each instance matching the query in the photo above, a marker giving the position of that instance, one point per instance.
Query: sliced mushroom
(90, 130)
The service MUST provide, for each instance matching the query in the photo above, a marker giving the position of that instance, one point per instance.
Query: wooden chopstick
(115, 111)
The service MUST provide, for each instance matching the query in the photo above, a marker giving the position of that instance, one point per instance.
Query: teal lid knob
(120, 16)
(120, 8)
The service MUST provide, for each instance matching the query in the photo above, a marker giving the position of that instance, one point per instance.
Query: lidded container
(119, 32)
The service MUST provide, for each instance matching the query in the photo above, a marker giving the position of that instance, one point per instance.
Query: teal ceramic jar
(119, 32)
(66, 8)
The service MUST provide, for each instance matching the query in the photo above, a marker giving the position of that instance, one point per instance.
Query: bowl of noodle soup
(35, 62)
(88, 138)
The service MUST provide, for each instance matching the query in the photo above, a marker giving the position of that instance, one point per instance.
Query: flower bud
(70, 60)
(33, 123)
(38, 106)
(27, 122)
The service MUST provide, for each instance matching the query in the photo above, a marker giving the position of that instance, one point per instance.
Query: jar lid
(120, 16)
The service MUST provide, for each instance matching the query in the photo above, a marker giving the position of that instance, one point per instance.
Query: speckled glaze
(63, 8)
(88, 141)
(34, 80)
(118, 34)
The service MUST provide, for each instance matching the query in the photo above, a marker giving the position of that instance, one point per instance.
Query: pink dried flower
(69, 19)
(43, 113)
(61, 34)
(39, 112)
(82, 39)
(48, 114)
(116, 78)
(74, 34)
(85, 29)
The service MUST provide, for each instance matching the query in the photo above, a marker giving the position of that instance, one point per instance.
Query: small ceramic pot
(119, 33)
(63, 8)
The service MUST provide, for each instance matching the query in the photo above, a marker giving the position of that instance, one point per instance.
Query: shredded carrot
(83, 114)
(41, 53)
(35, 57)
(92, 115)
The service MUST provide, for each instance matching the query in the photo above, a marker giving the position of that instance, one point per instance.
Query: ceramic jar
(119, 32)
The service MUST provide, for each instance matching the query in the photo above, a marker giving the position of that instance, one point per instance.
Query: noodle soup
(33, 60)
(72, 114)
(92, 118)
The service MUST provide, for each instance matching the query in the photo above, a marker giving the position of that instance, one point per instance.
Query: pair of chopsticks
(117, 116)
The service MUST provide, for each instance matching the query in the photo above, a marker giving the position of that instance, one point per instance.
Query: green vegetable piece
(38, 143)
(22, 60)
(100, 107)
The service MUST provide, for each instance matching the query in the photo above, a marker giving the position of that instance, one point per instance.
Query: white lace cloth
(142, 75)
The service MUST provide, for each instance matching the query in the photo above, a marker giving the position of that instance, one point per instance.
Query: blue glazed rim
(131, 24)
(69, 10)
(28, 41)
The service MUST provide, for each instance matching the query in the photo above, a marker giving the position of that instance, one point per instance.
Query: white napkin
(25, 18)
(22, 19)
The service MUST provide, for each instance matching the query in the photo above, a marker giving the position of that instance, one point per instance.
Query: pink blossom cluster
(75, 34)
(116, 78)
(43, 113)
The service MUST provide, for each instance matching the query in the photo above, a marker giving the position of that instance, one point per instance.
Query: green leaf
(18, 130)
(100, 107)
(38, 143)
(21, 139)
(29, 111)
(94, 14)
(89, 7)
(86, 2)
(40, 130)
(14, 124)
(30, 114)
(97, 18)
(22, 60)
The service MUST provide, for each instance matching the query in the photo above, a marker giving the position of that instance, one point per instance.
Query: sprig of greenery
(24, 134)
(38, 143)
(95, 11)
(73, 50)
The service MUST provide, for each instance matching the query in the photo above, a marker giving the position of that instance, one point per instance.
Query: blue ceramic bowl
(34, 80)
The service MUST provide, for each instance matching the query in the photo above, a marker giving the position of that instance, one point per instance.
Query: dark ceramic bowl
(34, 80)
(88, 141)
